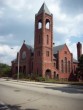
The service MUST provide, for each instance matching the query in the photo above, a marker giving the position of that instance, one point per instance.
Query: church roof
(58, 48)
(44, 9)
(75, 61)
(29, 47)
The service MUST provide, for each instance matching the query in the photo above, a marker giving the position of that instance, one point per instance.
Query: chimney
(79, 50)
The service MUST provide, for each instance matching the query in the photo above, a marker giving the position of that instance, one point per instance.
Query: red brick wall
(43, 62)
(61, 56)
(23, 62)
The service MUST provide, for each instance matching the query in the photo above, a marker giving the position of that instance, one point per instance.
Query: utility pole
(18, 65)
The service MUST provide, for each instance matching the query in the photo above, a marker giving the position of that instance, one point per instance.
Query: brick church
(44, 59)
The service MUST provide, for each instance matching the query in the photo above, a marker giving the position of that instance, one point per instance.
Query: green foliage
(36, 77)
(4, 70)
(14, 76)
(32, 77)
(21, 76)
(40, 79)
(80, 67)
(51, 80)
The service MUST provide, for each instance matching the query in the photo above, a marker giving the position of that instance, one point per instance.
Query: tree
(4, 70)
(80, 67)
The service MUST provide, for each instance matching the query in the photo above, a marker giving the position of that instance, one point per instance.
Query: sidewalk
(41, 84)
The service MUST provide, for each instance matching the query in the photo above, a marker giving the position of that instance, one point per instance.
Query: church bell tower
(43, 41)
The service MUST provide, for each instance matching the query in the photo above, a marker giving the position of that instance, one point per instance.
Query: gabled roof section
(44, 9)
(29, 47)
(75, 61)
(14, 60)
(58, 48)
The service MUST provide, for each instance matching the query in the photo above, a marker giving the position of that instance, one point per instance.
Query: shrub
(5, 70)
(21, 75)
(33, 77)
(15, 76)
(40, 79)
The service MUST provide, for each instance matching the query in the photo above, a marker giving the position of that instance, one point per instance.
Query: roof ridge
(60, 45)
(44, 9)
(75, 60)
(29, 47)
(57, 48)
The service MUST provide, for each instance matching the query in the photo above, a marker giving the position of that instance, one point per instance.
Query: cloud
(17, 23)
(67, 27)
(6, 38)
(7, 54)
(71, 26)
(71, 7)
(15, 4)
(73, 47)
(1, 13)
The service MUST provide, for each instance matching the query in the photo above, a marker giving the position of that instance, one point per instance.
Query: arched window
(24, 70)
(47, 24)
(47, 39)
(24, 55)
(54, 64)
(47, 53)
(69, 66)
(57, 76)
(62, 66)
(54, 75)
(39, 24)
(65, 65)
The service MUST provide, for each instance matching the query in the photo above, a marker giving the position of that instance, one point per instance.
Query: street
(24, 95)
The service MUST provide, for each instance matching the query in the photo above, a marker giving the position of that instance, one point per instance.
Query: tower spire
(43, 41)
(44, 9)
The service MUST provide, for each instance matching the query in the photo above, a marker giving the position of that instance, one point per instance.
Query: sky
(17, 24)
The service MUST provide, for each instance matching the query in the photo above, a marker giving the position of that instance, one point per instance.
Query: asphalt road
(39, 96)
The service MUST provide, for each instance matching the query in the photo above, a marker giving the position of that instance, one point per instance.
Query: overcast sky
(17, 24)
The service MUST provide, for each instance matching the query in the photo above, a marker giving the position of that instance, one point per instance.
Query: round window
(24, 55)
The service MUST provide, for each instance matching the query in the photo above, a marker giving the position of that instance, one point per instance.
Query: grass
(56, 81)
(40, 79)
(63, 82)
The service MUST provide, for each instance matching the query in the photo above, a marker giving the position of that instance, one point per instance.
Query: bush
(5, 70)
(15, 76)
(36, 78)
(40, 79)
(21, 75)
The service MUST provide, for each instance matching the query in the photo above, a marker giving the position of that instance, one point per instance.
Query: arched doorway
(56, 75)
(48, 74)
